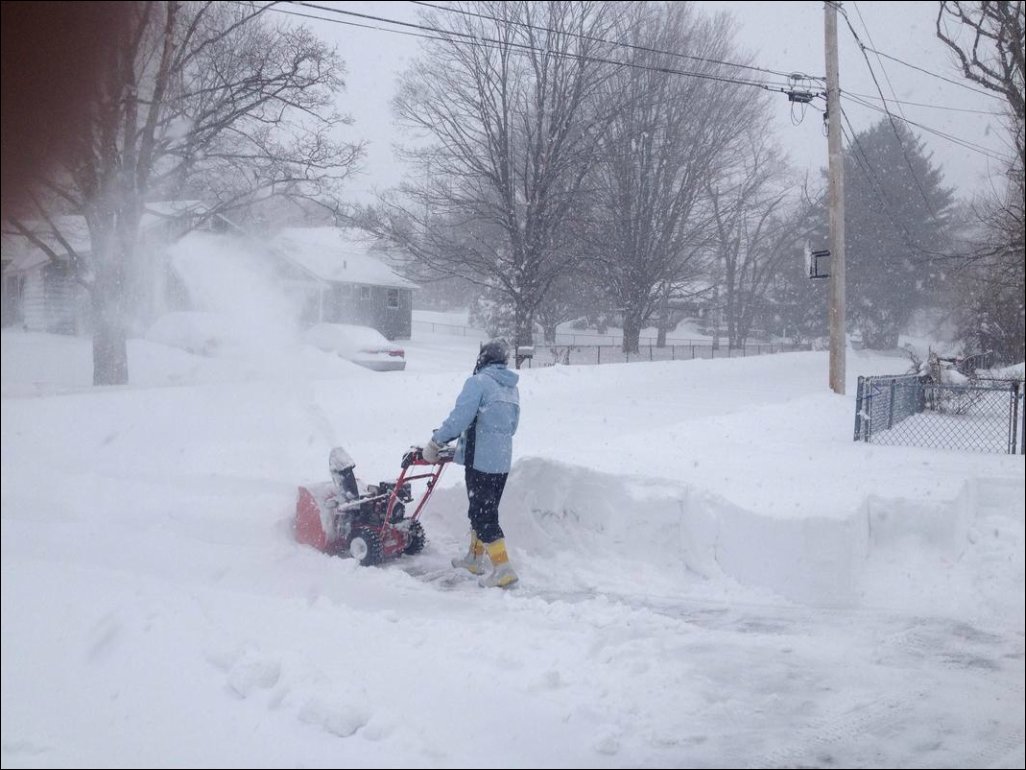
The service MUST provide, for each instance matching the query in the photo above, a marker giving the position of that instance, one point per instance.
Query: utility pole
(836, 201)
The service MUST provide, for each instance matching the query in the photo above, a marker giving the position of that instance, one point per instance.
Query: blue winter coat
(485, 418)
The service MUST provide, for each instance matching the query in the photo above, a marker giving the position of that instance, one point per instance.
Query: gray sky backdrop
(783, 36)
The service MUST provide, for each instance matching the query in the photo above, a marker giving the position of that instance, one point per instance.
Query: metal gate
(912, 410)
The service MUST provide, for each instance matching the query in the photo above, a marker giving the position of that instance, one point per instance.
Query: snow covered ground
(713, 574)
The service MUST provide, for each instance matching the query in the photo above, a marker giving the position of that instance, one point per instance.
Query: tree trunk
(731, 273)
(113, 244)
(110, 346)
(664, 318)
(715, 310)
(524, 324)
(631, 332)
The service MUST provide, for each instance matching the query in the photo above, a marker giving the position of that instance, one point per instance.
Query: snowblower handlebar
(415, 456)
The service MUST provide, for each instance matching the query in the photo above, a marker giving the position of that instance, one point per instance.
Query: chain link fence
(550, 355)
(913, 410)
(590, 348)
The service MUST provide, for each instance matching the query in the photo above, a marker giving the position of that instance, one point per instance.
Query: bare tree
(988, 39)
(756, 230)
(570, 297)
(195, 98)
(988, 280)
(505, 101)
(673, 133)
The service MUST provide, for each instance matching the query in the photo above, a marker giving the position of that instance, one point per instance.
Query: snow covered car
(360, 344)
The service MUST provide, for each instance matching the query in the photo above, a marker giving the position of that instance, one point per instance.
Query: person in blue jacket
(484, 419)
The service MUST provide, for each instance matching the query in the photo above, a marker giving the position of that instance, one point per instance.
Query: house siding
(368, 306)
(46, 299)
(33, 302)
(63, 296)
(14, 291)
(395, 323)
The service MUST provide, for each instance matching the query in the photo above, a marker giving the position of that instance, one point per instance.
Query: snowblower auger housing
(336, 518)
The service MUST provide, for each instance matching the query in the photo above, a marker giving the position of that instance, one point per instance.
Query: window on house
(393, 298)
(365, 292)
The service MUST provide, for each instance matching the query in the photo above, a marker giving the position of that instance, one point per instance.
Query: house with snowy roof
(42, 290)
(343, 276)
(39, 293)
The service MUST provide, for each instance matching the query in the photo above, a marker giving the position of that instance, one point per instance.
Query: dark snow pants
(484, 491)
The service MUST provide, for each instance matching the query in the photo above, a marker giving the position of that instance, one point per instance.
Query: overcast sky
(782, 36)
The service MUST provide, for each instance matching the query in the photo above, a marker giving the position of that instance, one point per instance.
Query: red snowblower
(336, 518)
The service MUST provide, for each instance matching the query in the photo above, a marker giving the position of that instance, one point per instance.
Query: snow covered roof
(28, 260)
(337, 255)
(17, 257)
(25, 255)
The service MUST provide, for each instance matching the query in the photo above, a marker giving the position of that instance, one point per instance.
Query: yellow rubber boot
(474, 561)
(502, 575)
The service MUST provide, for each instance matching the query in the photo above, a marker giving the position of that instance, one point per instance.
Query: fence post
(598, 354)
(858, 409)
(1015, 416)
(890, 407)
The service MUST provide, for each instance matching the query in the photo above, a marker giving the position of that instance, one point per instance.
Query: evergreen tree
(898, 222)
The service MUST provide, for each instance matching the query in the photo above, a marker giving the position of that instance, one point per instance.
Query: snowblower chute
(336, 518)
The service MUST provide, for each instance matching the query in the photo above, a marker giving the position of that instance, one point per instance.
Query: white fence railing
(453, 329)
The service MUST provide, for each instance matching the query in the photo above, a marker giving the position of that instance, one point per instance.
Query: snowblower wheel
(365, 546)
(417, 538)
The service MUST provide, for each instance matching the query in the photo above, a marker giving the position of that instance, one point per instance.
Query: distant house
(342, 278)
(40, 294)
(43, 294)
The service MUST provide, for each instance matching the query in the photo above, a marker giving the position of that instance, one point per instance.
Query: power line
(934, 74)
(954, 139)
(965, 143)
(440, 35)
(861, 158)
(878, 189)
(301, 15)
(618, 43)
(869, 36)
(959, 83)
(864, 48)
(930, 106)
(490, 43)
(890, 117)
